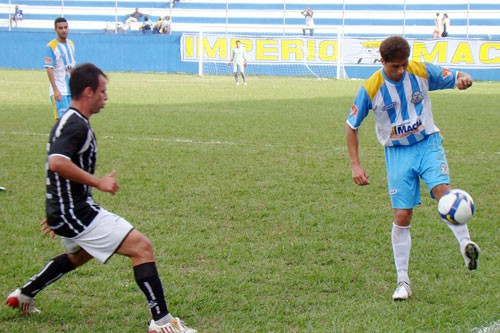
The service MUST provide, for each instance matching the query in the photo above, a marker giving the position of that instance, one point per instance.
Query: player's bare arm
(67, 169)
(464, 80)
(359, 175)
(52, 80)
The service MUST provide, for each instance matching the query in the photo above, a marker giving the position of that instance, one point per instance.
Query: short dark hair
(83, 76)
(394, 48)
(59, 20)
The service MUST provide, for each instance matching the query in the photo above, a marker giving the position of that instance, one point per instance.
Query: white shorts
(238, 66)
(102, 237)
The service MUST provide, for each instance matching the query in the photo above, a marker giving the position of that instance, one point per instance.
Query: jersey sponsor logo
(393, 192)
(389, 106)
(354, 110)
(403, 130)
(417, 97)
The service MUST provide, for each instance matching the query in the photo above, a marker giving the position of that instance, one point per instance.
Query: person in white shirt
(239, 62)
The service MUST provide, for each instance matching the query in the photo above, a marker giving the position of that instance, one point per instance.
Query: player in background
(59, 61)
(437, 27)
(239, 62)
(87, 230)
(398, 95)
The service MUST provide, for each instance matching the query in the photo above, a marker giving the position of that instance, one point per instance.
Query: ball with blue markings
(456, 207)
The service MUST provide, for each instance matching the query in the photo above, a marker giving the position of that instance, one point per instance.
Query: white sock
(461, 232)
(401, 245)
(165, 320)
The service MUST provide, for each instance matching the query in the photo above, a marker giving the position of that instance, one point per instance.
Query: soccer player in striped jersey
(59, 61)
(398, 95)
(87, 230)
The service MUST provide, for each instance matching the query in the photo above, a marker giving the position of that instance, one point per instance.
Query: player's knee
(79, 258)
(439, 190)
(143, 247)
(402, 217)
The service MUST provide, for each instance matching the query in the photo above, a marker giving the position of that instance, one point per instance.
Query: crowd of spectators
(161, 26)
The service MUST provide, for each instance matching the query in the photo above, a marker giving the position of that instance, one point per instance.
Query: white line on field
(198, 142)
(493, 328)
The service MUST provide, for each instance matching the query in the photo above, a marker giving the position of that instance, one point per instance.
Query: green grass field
(246, 194)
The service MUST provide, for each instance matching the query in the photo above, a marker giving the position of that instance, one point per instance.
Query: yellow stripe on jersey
(53, 43)
(417, 68)
(373, 84)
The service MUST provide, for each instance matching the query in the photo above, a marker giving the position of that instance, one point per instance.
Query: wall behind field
(410, 18)
(137, 53)
(133, 52)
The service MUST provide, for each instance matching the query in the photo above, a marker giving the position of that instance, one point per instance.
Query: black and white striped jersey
(69, 205)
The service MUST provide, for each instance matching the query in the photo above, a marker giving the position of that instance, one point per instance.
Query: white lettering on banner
(323, 51)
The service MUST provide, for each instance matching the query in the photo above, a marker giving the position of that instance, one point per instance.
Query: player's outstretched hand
(464, 81)
(109, 183)
(46, 229)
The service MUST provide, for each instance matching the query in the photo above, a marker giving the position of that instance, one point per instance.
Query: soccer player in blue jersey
(87, 230)
(59, 60)
(398, 95)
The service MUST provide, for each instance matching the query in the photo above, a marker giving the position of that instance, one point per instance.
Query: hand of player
(245, 65)
(46, 229)
(359, 175)
(109, 183)
(230, 63)
(464, 81)
(57, 95)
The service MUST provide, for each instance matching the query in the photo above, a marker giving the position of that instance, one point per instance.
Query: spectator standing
(87, 230)
(308, 14)
(398, 95)
(446, 25)
(17, 16)
(437, 27)
(59, 61)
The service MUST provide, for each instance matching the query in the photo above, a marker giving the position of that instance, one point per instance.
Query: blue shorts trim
(407, 165)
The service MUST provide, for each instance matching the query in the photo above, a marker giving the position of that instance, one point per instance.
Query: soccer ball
(456, 207)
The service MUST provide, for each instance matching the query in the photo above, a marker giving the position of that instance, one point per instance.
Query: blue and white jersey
(60, 57)
(402, 110)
